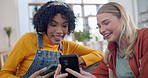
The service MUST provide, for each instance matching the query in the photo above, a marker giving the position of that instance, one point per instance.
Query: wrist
(81, 61)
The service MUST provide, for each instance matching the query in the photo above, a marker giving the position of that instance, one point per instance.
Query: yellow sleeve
(16, 58)
(90, 56)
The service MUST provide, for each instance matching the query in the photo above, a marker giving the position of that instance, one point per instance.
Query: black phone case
(69, 61)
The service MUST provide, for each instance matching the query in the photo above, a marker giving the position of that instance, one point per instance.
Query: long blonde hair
(128, 29)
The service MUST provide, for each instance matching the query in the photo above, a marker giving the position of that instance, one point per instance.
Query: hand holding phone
(69, 61)
(51, 68)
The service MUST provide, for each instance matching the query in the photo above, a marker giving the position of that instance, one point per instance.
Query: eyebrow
(57, 22)
(104, 21)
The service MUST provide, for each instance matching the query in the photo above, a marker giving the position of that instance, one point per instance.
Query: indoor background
(16, 17)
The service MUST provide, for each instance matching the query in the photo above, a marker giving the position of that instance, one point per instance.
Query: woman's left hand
(37, 74)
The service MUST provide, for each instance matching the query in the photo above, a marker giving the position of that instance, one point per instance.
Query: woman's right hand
(58, 73)
(37, 74)
(82, 74)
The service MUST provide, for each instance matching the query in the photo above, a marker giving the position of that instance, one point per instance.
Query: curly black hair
(47, 12)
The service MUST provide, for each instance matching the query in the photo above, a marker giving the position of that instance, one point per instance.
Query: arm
(101, 71)
(81, 61)
(88, 55)
(16, 58)
(144, 50)
(13, 60)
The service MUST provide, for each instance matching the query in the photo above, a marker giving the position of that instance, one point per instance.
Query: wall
(143, 13)
(23, 16)
(8, 17)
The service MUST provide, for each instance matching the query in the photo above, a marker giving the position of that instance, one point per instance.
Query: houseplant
(8, 30)
(82, 36)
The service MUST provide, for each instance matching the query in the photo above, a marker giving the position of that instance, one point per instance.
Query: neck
(122, 46)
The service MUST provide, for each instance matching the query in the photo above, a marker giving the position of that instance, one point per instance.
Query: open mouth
(57, 37)
(107, 35)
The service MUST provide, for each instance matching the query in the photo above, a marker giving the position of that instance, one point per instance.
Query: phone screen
(69, 61)
(51, 68)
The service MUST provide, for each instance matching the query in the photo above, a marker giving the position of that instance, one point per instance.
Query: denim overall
(43, 58)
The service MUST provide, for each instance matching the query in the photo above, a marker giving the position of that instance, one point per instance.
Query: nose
(102, 30)
(59, 30)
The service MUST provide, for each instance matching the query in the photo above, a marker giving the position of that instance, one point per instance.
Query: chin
(56, 43)
(110, 40)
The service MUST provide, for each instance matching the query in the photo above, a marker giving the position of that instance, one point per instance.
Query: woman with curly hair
(35, 51)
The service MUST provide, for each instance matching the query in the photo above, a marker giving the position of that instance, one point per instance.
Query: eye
(98, 26)
(106, 22)
(65, 26)
(52, 24)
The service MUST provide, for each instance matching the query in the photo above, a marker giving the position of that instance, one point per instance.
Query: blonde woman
(127, 49)
(127, 53)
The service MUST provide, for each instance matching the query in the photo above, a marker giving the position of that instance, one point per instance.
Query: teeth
(106, 35)
(57, 37)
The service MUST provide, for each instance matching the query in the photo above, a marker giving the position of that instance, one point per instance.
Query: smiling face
(57, 29)
(109, 26)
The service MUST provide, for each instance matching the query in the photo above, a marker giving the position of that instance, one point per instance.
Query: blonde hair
(128, 29)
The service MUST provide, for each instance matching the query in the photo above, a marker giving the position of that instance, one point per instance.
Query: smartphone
(69, 61)
(51, 68)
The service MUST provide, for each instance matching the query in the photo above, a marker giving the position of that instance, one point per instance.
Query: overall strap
(40, 43)
(61, 46)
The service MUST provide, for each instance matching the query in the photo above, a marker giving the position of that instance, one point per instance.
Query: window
(85, 11)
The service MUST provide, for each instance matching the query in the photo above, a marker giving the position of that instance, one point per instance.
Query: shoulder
(142, 33)
(142, 40)
(30, 34)
(29, 37)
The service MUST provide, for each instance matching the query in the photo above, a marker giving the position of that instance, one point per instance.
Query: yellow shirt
(24, 51)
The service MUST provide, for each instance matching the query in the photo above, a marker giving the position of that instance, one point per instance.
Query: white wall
(8, 17)
(23, 16)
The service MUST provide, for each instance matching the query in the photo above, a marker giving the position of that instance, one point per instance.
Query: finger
(76, 74)
(61, 75)
(58, 70)
(58, 73)
(83, 72)
(37, 73)
(49, 74)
